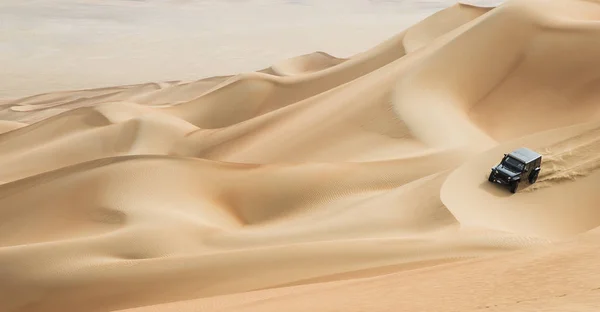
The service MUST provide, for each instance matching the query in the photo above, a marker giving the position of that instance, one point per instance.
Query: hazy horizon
(70, 44)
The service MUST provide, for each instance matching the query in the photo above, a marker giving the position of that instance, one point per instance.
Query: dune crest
(305, 64)
(320, 183)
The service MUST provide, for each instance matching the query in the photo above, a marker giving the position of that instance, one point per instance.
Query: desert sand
(320, 183)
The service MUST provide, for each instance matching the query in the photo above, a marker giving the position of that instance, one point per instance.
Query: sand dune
(305, 64)
(7, 125)
(561, 276)
(560, 204)
(320, 183)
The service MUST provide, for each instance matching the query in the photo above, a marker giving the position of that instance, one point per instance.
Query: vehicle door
(527, 169)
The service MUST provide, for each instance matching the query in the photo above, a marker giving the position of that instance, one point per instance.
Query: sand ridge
(319, 183)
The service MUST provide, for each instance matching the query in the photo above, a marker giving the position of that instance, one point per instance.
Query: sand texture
(320, 183)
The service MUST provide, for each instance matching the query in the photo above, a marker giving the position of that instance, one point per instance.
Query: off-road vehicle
(516, 166)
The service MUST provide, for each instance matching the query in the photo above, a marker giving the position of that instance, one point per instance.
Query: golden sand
(320, 183)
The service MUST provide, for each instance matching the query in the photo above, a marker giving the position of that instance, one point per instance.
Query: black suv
(519, 164)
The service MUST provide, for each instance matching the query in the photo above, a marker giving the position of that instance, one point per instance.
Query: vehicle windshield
(513, 164)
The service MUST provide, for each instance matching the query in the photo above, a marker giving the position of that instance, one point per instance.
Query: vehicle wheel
(533, 177)
(513, 187)
(491, 177)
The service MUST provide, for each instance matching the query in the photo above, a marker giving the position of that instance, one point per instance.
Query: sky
(53, 45)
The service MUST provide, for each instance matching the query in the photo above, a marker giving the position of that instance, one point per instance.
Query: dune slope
(320, 183)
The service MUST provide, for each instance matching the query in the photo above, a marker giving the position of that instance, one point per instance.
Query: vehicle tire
(491, 177)
(533, 177)
(513, 186)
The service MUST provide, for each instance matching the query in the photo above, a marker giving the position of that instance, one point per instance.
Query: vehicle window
(513, 163)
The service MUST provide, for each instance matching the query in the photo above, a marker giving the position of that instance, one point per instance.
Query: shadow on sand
(500, 190)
